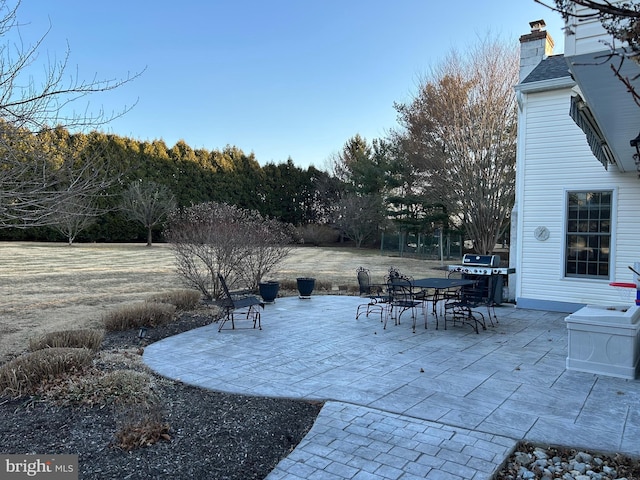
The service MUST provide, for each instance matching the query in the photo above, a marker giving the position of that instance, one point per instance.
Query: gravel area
(530, 461)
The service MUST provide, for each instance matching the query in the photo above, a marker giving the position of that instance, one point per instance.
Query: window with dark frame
(588, 237)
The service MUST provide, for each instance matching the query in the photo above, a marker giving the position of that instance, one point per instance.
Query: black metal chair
(462, 305)
(401, 298)
(425, 296)
(374, 293)
(238, 300)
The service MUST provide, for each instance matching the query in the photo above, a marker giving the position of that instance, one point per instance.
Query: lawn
(53, 286)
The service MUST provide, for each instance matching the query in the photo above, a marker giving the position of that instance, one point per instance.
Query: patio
(430, 404)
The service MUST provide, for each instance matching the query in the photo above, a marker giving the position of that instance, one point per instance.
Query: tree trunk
(149, 237)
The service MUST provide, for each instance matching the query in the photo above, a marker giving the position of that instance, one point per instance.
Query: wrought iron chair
(374, 293)
(464, 305)
(425, 296)
(241, 301)
(401, 298)
(442, 296)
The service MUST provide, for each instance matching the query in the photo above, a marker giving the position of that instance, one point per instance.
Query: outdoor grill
(481, 265)
(488, 268)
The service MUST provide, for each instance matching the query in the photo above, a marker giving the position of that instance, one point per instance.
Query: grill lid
(481, 260)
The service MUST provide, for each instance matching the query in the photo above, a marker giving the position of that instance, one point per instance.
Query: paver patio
(434, 404)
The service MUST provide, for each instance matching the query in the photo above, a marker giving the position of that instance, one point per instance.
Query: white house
(576, 220)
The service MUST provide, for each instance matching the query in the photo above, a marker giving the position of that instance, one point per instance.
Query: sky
(277, 78)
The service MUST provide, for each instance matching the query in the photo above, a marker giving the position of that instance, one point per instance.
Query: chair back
(399, 287)
(476, 294)
(454, 275)
(393, 273)
(226, 301)
(364, 281)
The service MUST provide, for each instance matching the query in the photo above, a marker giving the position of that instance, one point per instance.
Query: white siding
(585, 36)
(557, 158)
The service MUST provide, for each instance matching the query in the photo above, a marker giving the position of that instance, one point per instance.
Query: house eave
(545, 85)
(609, 103)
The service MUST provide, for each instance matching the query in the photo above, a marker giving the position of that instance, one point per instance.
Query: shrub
(184, 299)
(213, 238)
(146, 314)
(292, 285)
(323, 285)
(317, 234)
(139, 427)
(122, 358)
(288, 285)
(85, 338)
(118, 387)
(24, 374)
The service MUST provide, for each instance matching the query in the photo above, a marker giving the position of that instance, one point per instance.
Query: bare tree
(360, 217)
(216, 238)
(32, 184)
(460, 134)
(148, 203)
(40, 179)
(268, 243)
(75, 217)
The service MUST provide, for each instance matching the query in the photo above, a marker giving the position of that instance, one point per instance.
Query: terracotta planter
(306, 286)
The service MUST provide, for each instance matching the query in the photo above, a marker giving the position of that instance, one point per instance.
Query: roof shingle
(549, 68)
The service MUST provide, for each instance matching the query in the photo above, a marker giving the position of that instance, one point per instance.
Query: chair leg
(466, 316)
(225, 316)
(414, 312)
(256, 317)
(373, 305)
(415, 318)
(492, 308)
(389, 311)
(252, 314)
(425, 312)
(369, 308)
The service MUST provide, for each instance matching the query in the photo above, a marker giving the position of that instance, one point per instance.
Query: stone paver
(437, 404)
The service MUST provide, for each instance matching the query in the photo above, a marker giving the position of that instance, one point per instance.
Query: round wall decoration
(541, 233)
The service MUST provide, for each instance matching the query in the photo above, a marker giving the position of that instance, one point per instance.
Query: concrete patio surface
(437, 404)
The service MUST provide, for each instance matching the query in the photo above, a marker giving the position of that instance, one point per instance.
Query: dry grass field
(46, 287)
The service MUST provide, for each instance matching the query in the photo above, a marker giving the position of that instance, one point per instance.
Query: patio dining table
(440, 286)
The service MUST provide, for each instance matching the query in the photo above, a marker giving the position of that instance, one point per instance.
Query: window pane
(588, 234)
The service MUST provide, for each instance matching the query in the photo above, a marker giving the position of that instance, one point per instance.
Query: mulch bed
(210, 435)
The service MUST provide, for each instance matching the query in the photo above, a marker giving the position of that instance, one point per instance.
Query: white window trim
(612, 242)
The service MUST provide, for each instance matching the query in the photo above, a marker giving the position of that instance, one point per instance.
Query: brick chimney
(534, 47)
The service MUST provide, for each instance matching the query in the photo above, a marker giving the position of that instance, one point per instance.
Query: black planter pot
(269, 291)
(305, 286)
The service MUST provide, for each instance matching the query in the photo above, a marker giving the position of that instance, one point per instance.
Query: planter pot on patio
(604, 340)
(269, 291)
(305, 286)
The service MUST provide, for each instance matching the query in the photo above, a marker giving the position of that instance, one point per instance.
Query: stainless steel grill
(481, 265)
(488, 268)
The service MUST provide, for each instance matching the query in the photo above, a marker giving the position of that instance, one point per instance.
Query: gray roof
(549, 68)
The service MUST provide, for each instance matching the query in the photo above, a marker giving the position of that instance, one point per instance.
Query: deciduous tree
(217, 238)
(147, 203)
(360, 217)
(42, 175)
(75, 217)
(460, 133)
(33, 183)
